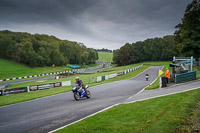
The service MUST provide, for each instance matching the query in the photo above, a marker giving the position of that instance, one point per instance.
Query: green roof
(73, 66)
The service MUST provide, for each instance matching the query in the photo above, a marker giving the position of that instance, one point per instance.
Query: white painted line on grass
(84, 118)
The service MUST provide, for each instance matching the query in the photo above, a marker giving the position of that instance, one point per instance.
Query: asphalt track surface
(52, 112)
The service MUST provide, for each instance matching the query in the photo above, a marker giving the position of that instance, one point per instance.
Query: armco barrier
(185, 77)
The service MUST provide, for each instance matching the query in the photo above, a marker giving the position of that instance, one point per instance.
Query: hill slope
(9, 69)
(105, 56)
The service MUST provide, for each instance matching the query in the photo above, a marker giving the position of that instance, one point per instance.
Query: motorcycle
(80, 92)
(147, 77)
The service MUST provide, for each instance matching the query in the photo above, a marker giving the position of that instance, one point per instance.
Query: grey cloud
(97, 23)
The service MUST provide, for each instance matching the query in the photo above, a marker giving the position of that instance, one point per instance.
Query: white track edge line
(84, 117)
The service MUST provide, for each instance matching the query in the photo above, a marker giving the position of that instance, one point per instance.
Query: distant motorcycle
(147, 77)
(80, 92)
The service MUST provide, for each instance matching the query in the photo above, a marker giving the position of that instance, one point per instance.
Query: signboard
(33, 88)
(57, 84)
(14, 90)
(66, 83)
(46, 86)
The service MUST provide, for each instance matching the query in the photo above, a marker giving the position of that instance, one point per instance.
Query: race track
(49, 113)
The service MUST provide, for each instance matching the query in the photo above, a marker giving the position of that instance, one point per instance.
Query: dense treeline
(43, 50)
(156, 49)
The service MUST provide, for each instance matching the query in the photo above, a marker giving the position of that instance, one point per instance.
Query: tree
(188, 32)
(124, 54)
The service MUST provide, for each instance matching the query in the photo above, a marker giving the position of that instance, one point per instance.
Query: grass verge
(162, 115)
(105, 56)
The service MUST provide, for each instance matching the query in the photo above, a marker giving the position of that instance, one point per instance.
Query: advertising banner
(99, 79)
(106, 77)
(45, 86)
(14, 90)
(66, 83)
(33, 88)
(57, 84)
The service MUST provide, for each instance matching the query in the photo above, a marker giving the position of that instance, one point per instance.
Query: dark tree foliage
(157, 49)
(43, 50)
(187, 35)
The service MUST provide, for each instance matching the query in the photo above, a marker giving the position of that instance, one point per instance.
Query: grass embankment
(16, 98)
(9, 69)
(105, 56)
(159, 115)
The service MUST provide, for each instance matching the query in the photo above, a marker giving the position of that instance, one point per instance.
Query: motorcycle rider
(80, 83)
(147, 77)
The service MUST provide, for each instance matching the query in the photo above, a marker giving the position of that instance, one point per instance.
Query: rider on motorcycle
(80, 83)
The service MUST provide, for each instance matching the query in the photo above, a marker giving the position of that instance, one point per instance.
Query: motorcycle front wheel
(77, 96)
(88, 95)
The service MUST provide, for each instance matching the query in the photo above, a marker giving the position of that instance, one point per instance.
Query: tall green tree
(188, 32)
(125, 54)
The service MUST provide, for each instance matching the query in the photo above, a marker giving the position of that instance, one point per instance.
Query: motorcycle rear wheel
(77, 96)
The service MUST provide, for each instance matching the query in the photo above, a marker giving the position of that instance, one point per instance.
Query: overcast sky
(96, 23)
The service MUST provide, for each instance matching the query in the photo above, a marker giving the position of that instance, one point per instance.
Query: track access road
(48, 113)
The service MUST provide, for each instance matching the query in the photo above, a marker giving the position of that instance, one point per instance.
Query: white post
(174, 59)
(160, 82)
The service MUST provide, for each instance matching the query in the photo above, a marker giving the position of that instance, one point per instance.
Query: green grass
(9, 69)
(198, 71)
(105, 56)
(158, 115)
(90, 65)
